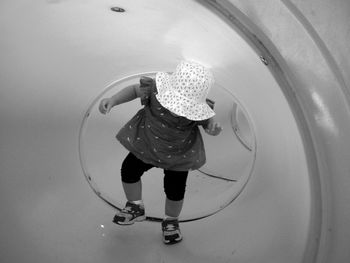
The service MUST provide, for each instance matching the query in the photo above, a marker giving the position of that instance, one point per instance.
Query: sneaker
(171, 231)
(130, 214)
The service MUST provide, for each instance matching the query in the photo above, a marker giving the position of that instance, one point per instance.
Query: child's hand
(213, 128)
(105, 105)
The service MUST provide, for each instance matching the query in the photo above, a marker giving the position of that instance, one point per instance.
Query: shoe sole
(136, 219)
(171, 242)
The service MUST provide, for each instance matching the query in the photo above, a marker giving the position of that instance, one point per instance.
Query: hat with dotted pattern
(184, 92)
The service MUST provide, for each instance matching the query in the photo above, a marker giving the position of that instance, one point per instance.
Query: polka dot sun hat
(184, 92)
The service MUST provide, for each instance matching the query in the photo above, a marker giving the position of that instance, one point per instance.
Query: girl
(164, 134)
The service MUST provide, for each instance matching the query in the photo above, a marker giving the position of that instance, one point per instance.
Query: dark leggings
(174, 181)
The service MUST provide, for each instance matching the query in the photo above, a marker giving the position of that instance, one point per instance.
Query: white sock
(138, 202)
(166, 217)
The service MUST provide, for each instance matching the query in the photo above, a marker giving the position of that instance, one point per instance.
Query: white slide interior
(60, 160)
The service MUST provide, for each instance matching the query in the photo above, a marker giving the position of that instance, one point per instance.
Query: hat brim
(183, 107)
(163, 82)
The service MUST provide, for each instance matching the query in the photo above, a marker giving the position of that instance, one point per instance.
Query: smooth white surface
(308, 38)
(56, 57)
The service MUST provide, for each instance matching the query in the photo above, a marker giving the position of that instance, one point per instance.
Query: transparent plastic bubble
(230, 156)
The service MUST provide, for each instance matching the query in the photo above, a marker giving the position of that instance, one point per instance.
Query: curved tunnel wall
(317, 65)
(40, 187)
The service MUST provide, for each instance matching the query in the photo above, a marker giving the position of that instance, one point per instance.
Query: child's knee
(129, 178)
(132, 169)
(175, 185)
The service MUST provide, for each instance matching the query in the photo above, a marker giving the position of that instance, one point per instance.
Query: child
(164, 134)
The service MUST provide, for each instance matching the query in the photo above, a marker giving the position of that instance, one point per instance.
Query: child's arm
(129, 93)
(212, 127)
